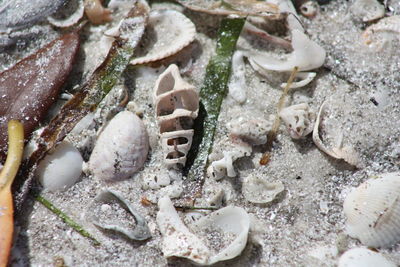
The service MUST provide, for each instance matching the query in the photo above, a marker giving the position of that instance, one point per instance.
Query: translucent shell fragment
(177, 105)
(373, 211)
(121, 148)
(167, 32)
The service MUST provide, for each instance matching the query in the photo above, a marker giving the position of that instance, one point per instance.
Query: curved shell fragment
(109, 203)
(257, 190)
(71, 19)
(121, 148)
(167, 32)
(363, 257)
(385, 30)
(373, 211)
(177, 105)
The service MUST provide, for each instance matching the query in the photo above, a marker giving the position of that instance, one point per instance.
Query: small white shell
(306, 55)
(72, 19)
(252, 131)
(167, 32)
(367, 10)
(363, 257)
(177, 105)
(299, 120)
(237, 82)
(257, 190)
(373, 211)
(60, 169)
(121, 148)
(231, 223)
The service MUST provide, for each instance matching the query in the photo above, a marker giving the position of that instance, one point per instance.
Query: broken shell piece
(96, 13)
(346, 153)
(306, 55)
(363, 257)
(230, 224)
(177, 105)
(380, 33)
(167, 32)
(237, 83)
(177, 240)
(110, 211)
(373, 211)
(60, 169)
(299, 120)
(306, 78)
(367, 10)
(309, 9)
(253, 131)
(63, 19)
(257, 190)
(121, 148)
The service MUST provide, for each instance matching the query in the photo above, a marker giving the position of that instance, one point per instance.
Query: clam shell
(60, 169)
(121, 148)
(102, 203)
(167, 32)
(363, 257)
(373, 211)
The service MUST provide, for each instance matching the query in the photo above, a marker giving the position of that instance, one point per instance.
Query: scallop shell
(230, 224)
(107, 200)
(363, 257)
(60, 169)
(121, 148)
(167, 32)
(177, 105)
(373, 211)
(385, 30)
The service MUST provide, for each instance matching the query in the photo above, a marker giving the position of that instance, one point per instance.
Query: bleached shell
(121, 148)
(383, 31)
(140, 231)
(167, 32)
(179, 241)
(177, 105)
(237, 82)
(363, 257)
(306, 55)
(60, 169)
(257, 190)
(253, 131)
(367, 10)
(299, 120)
(373, 211)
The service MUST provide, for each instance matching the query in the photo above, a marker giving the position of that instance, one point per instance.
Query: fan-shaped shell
(167, 32)
(373, 211)
(121, 148)
(177, 105)
(363, 257)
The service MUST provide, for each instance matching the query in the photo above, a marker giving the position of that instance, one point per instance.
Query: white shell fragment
(177, 105)
(252, 131)
(121, 148)
(178, 241)
(363, 257)
(110, 211)
(230, 224)
(60, 169)
(373, 211)
(257, 190)
(299, 120)
(367, 10)
(167, 32)
(59, 20)
(382, 32)
(306, 55)
(237, 83)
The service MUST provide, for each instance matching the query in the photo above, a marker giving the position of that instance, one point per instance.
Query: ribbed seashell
(299, 120)
(121, 148)
(60, 169)
(363, 257)
(109, 203)
(167, 32)
(373, 211)
(177, 105)
(389, 26)
(231, 223)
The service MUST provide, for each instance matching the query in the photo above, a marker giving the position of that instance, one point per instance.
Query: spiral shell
(373, 211)
(177, 105)
(121, 148)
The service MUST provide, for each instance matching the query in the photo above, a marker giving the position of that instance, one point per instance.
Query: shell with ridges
(177, 105)
(121, 148)
(363, 257)
(172, 32)
(373, 211)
